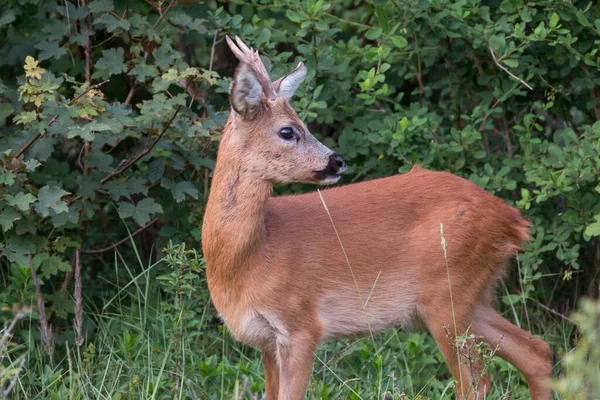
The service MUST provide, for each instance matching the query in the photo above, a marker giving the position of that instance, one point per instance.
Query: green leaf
(112, 23)
(511, 62)
(7, 17)
(98, 6)
(399, 41)
(50, 265)
(140, 212)
(50, 198)
(61, 303)
(43, 148)
(17, 248)
(21, 200)
(156, 170)
(7, 217)
(374, 33)
(86, 131)
(180, 189)
(263, 37)
(50, 49)
(126, 189)
(593, 229)
(111, 63)
(508, 6)
(498, 43)
(554, 20)
(7, 177)
(99, 160)
(382, 17)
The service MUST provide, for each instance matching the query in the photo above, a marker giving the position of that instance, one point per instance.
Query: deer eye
(286, 133)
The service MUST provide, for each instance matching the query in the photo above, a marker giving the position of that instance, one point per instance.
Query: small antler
(252, 59)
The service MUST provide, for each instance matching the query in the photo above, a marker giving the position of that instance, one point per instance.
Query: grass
(157, 338)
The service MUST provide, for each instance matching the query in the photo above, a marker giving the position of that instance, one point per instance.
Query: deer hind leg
(527, 353)
(467, 370)
(271, 374)
(295, 364)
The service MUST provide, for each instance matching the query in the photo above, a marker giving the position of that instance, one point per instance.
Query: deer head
(271, 141)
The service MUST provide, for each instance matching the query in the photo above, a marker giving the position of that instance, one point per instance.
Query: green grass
(157, 338)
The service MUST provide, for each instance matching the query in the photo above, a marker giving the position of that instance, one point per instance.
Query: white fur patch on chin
(330, 180)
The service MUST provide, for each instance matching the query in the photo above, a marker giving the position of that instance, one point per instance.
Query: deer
(287, 273)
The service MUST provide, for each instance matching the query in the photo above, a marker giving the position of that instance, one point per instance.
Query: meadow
(110, 119)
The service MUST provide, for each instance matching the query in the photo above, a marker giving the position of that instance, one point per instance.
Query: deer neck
(233, 231)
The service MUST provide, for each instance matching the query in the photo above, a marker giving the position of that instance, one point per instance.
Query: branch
(55, 118)
(162, 15)
(143, 153)
(503, 68)
(120, 242)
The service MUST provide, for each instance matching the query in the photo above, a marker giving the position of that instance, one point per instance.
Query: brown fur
(280, 280)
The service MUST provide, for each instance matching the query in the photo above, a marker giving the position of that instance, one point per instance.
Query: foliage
(109, 121)
(581, 380)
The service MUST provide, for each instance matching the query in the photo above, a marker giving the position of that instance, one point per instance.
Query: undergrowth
(158, 337)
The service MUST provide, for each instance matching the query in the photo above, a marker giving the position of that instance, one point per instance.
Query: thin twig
(120, 242)
(555, 312)
(503, 68)
(55, 118)
(6, 393)
(162, 15)
(8, 331)
(143, 153)
(88, 48)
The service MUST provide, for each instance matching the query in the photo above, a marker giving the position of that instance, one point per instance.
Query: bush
(110, 115)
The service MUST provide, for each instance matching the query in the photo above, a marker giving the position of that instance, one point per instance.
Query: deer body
(284, 276)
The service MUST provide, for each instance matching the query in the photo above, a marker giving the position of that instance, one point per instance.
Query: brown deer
(290, 272)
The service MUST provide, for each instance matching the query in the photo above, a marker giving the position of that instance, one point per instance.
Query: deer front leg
(295, 365)
(271, 374)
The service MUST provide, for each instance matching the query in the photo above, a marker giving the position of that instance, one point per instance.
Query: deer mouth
(331, 173)
(327, 179)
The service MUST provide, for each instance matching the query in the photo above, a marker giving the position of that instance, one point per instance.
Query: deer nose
(338, 162)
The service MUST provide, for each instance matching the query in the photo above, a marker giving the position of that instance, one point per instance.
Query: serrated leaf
(61, 304)
(17, 248)
(126, 189)
(50, 265)
(7, 177)
(50, 49)
(7, 217)
(99, 160)
(50, 198)
(97, 6)
(180, 189)
(21, 200)
(140, 212)
(111, 63)
(156, 170)
(112, 23)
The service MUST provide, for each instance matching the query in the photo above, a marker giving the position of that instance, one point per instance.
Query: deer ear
(287, 85)
(245, 91)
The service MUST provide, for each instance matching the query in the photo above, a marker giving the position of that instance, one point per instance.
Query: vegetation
(110, 115)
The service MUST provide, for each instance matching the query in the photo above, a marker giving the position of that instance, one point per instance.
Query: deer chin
(323, 179)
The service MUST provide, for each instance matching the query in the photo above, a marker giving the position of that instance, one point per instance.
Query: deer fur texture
(285, 277)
